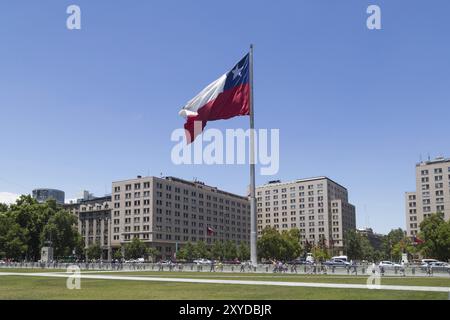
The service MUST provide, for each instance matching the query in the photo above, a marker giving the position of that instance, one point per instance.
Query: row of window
(436, 171)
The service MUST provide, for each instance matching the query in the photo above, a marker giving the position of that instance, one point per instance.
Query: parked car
(389, 264)
(202, 261)
(436, 265)
(235, 261)
(2, 262)
(428, 261)
(298, 261)
(309, 258)
(336, 263)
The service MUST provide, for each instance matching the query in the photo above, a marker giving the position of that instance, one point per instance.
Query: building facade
(318, 207)
(375, 239)
(432, 193)
(169, 212)
(94, 222)
(43, 194)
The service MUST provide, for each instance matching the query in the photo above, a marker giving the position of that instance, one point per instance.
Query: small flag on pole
(209, 231)
(417, 240)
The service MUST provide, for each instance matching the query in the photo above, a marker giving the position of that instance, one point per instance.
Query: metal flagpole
(253, 234)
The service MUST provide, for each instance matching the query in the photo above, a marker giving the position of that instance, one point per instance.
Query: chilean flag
(227, 97)
(209, 231)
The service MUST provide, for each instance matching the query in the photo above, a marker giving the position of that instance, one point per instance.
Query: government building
(432, 193)
(169, 212)
(318, 207)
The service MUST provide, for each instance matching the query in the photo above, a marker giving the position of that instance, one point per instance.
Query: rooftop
(279, 183)
(435, 161)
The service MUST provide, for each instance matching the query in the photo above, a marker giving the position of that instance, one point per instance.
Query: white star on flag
(237, 71)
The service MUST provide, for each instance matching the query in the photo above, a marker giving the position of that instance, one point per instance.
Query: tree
(61, 231)
(217, 250)
(13, 239)
(135, 249)
(435, 232)
(243, 252)
(279, 246)
(3, 207)
(201, 250)
(291, 247)
(187, 252)
(229, 250)
(152, 253)
(320, 253)
(117, 254)
(32, 217)
(94, 251)
(352, 245)
(269, 244)
(389, 241)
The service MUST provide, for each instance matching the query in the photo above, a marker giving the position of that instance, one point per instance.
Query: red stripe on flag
(228, 104)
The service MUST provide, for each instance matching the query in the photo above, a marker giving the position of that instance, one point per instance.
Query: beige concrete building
(319, 207)
(432, 193)
(168, 212)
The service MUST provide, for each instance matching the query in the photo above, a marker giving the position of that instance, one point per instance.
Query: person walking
(212, 269)
(355, 269)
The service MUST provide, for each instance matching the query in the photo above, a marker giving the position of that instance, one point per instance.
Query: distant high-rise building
(318, 207)
(432, 193)
(44, 194)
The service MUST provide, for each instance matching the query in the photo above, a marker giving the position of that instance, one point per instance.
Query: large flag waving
(227, 97)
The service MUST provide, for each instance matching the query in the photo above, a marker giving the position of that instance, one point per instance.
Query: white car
(202, 261)
(389, 264)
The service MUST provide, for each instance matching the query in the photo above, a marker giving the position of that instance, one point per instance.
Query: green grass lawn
(17, 287)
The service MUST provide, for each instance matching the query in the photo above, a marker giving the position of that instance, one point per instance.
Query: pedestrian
(242, 267)
(355, 269)
(212, 269)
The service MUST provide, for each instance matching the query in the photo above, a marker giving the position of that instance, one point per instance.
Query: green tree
(201, 250)
(13, 239)
(243, 252)
(94, 251)
(320, 253)
(217, 250)
(229, 250)
(117, 254)
(3, 207)
(279, 246)
(352, 245)
(435, 232)
(61, 230)
(187, 252)
(390, 241)
(32, 217)
(269, 244)
(135, 249)
(152, 253)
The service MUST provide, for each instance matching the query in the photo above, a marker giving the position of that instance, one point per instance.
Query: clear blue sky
(80, 109)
